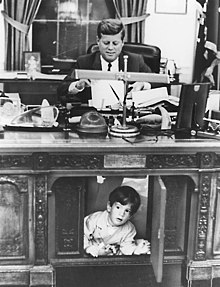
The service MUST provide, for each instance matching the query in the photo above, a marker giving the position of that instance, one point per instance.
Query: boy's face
(119, 214)
(110, 46)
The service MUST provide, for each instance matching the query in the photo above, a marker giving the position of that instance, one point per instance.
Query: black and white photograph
(110, 143)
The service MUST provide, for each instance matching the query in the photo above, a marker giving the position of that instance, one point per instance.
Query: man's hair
(124, 195)
(110, 27)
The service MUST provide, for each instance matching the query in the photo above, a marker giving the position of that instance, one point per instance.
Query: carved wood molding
(217, 160)
(90, 161)
(202, 225)
(83, 161)
(41, 219)
(20, 181)
(68, 215)
(171, 161)
(15, 161)
(43, 161)
(207, 160)
(14, 217)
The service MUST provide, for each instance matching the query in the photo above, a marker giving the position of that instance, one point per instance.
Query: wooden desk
(32, 92)
(44, 190)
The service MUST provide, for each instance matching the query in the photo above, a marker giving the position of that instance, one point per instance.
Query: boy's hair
(125, 194)
(110, 27)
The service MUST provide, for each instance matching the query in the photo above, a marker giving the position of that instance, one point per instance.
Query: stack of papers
(146, 98)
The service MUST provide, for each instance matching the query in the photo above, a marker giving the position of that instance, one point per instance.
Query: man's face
(110, 46)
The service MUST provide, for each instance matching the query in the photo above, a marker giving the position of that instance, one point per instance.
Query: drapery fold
(17, 25)
(133, 14)
(18, 15)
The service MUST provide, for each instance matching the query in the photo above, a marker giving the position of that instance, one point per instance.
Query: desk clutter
(194, 115)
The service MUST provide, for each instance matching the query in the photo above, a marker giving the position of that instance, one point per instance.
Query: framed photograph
(171, 6)
(32, 62)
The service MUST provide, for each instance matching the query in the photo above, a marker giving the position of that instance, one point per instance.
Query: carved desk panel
(43, 232)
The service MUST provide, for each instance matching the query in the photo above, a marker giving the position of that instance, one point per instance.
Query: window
(65, 28)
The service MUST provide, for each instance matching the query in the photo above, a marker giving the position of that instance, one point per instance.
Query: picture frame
(32, 62)
(171, 6)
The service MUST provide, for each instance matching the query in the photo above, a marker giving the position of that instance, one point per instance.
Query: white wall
(2, 37)
(176, 35)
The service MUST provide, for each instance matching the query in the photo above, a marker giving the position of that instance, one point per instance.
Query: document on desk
(106, 93)
(154, 96)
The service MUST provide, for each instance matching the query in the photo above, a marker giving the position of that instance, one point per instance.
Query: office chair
(151, 54)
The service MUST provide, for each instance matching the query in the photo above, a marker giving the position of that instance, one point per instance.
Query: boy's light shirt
(98, 226)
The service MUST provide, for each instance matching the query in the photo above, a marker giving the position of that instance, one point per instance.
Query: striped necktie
(109, 66)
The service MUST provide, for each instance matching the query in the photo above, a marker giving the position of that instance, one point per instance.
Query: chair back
(150, 53)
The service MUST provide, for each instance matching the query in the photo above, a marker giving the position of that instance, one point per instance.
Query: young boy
(110, 232)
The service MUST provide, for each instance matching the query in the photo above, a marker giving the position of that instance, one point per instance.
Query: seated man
(110, 39)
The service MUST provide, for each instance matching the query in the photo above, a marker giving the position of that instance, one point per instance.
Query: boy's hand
(143, 247)
(110, 249)
(97, 250)
(93, 250)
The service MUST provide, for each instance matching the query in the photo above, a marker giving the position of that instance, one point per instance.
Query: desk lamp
(124, 130)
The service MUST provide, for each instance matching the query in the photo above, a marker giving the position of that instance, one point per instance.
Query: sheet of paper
(149, 97)
(213, 102)
(103, 95)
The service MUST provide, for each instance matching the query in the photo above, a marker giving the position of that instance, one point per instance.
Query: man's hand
(81, 84)
(76, 87)
(138, 86)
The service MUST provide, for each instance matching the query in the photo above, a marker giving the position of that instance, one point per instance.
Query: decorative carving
(41, 160)
(41, 219)
(84, 161)
(216, 219)
(172, 207)
(45, 161)
(171, 161)
(217, 160)
(15, 161)
(20, 181)
(205, 189)
(207, 160)
(68, 209)
(13, 207)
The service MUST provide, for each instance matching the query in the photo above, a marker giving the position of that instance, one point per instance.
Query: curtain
(133, 15)
(208, 46)
(18, 15)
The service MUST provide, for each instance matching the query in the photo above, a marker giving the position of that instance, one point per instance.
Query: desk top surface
(20, 141)
(22, 75)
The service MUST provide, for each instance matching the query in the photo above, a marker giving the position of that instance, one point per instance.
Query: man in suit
(110, 40)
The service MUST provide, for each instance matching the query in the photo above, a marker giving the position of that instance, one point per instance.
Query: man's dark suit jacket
(93, 62)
